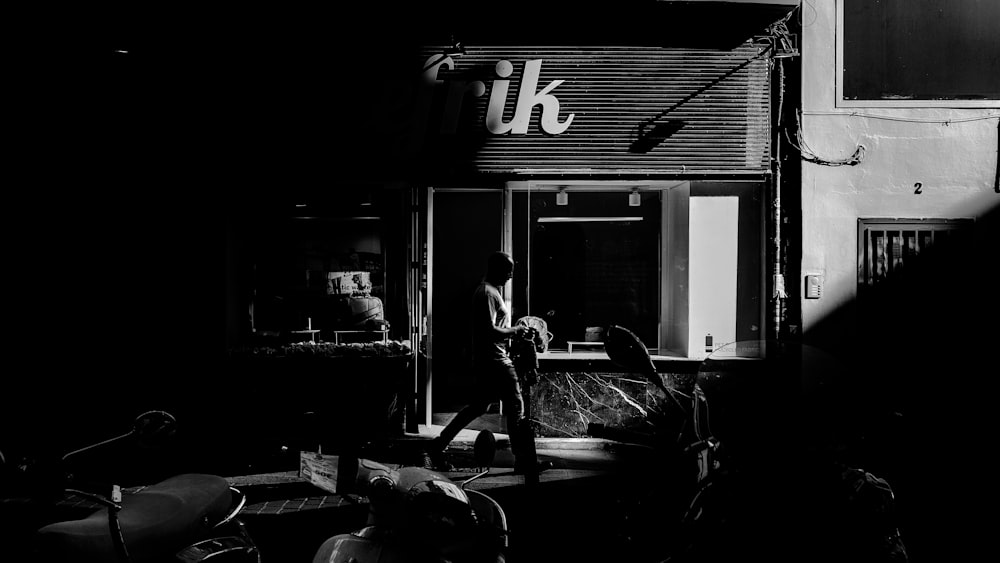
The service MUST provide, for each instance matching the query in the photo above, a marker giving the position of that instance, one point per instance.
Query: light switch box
(814, 287)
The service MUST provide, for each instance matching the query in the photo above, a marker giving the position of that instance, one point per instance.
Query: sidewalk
(569, 456)
(290, 517)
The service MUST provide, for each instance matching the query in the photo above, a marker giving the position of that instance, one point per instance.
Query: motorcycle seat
(157, 520)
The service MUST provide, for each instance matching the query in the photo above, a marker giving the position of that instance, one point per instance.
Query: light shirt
(489, 310)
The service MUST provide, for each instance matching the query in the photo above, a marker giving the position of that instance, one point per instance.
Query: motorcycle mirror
(154, 428)
(625, 349)
(485, 448)
(151, 428)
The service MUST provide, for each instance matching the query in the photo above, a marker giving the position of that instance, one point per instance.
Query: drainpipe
(778, 291)
(778, 281)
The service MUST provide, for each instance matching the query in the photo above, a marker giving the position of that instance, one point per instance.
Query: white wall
(955, 164)
(712, 260)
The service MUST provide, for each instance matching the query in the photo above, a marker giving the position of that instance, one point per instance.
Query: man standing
(496, 378)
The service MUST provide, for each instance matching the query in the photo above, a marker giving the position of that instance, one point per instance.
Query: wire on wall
(903, 119)
(782, 43)
(810, 156)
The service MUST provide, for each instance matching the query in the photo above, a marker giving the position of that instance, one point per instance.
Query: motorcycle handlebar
(47, 477)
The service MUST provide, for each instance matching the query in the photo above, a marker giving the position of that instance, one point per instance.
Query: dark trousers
(496, 383)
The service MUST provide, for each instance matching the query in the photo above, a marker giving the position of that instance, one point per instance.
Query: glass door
(464, 227)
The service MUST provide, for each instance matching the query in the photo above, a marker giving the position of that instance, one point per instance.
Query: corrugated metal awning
(642, 109)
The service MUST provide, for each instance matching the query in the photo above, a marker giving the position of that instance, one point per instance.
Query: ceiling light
(562, 198)
(634, 199)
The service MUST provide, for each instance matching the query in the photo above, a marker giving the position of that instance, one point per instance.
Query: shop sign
(528, 97)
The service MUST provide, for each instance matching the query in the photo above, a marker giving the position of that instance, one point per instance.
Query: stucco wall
(954, 163)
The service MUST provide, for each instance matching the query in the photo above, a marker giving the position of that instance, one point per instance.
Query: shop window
(904, 52)
(319, 278)
(589, 263)
(675, 262)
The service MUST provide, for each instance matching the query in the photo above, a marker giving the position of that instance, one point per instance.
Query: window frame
(606, 186)
(865, 277)
(840, 102)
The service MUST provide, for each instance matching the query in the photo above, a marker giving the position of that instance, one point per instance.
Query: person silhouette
(496, 376)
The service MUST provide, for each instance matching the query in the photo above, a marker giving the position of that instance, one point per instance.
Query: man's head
(499, 268)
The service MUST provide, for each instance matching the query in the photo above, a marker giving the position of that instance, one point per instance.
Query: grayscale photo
(652, 281)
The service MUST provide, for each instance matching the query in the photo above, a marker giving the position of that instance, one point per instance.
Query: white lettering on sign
(528, 96)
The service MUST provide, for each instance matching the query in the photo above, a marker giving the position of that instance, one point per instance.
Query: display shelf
(382, 335)
(312, 334)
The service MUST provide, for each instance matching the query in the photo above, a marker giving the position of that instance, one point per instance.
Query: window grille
(887, 246)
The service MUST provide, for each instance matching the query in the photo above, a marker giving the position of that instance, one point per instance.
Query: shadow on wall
(924, 388)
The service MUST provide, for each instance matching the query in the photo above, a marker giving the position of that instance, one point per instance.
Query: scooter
(185, 518)
(416, 514)
(771, 480)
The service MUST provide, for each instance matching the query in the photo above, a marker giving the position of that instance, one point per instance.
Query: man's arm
(506, 332)
(487, 315)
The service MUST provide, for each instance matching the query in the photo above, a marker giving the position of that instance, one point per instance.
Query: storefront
(628, 183)
(628, 174)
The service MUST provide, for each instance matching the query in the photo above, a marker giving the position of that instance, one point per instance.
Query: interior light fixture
(562, 198)
(626, 219)
(456, 48)
(634, 200)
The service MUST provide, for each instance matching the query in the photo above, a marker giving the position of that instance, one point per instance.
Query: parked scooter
(186, 518)
(771, 479)
(418, 515)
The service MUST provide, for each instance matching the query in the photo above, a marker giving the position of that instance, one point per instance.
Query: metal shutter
(717, 100)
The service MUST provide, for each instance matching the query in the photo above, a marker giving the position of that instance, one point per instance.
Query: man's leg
(522, 435)
(434, 457)
(464, 417)
(522, 439)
